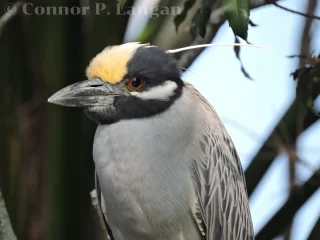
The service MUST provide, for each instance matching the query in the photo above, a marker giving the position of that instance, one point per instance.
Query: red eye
(135, 83)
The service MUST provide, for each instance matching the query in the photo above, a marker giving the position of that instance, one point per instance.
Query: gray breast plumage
(150, 172)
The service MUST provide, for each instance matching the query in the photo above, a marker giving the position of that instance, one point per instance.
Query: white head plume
(216, 45)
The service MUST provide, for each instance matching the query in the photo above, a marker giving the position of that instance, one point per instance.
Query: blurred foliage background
(46, 168)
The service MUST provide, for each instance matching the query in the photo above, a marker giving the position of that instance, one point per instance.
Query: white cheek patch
(161, 92)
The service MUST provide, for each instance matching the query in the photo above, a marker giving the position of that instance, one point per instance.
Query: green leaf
(122, 3)
(299, 72)
(181, 17)
(195, 23)
(237, 52)
(237, 13)
(201, 18)
(306, 87)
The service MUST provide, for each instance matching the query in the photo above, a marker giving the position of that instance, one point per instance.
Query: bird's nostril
(96, 85)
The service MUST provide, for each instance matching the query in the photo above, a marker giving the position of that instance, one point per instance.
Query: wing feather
(219, 183)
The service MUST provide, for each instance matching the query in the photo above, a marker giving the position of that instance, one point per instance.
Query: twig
(11, 11)
(6, 231)
(293, 11)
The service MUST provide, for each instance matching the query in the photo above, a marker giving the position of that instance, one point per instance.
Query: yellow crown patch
(111, 64)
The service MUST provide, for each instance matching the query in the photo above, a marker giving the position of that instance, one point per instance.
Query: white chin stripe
(162, 92)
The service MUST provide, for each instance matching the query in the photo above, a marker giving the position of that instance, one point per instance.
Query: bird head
(126, 81)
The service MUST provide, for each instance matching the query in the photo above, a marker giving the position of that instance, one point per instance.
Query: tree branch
(286, 213)
(305, 43)
(315, 232)
(6, 232)
(270, 149)
(293, 11)
(295, 123)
